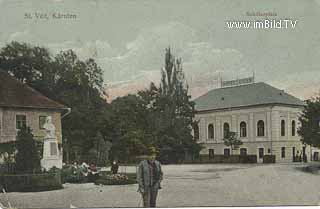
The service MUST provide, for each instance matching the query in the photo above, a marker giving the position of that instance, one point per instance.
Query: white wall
(271, 115)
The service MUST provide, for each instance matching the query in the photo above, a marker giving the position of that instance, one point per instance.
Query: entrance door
(260, 155)
(211, 154)
(316, 156)
(293, 154)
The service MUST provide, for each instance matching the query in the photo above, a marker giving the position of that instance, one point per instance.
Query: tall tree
(310, 122)
(175, 111)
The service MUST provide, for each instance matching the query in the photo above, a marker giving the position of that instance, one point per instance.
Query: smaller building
(21, 105)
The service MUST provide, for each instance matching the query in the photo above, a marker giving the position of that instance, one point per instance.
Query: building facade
(264, 118)
(21, 106)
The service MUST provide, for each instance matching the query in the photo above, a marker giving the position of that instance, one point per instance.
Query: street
(191, 185)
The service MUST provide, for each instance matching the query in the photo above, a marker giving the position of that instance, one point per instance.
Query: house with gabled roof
(21, 105)
(265, 119)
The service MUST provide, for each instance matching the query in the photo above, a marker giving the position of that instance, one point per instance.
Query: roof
(13, 93)
(245, 95)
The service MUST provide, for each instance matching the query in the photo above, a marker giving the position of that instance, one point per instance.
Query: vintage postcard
(159, 103)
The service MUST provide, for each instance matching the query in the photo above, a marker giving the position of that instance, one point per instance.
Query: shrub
(31, 182)
(116, 179)
(28, 157)
(71, 175)
(226, 159)
(269, 159)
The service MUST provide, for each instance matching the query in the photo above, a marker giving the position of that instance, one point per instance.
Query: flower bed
(116, 179)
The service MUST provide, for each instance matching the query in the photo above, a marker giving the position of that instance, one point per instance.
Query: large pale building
(264, 118)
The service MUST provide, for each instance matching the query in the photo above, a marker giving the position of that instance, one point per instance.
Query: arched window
(226, 129)
(260, 128)
(243, 129)
(283, 128)
(196, 132)
(210, 131)
(293, 128)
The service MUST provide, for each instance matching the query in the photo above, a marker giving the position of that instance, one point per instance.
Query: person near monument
(149, 177)
(114, 167)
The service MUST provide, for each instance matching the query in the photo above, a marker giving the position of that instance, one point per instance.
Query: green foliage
(27, 158)
(232, 140)
(159, 117)
(69, 174)
(269, 159)
(310, 123)
(31, 182)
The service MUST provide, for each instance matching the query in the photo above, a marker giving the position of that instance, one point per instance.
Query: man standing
(149, 177)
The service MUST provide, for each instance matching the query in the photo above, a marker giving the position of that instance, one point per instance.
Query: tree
(27, 158)
(232, 140)
(173, 111)
(310, 123)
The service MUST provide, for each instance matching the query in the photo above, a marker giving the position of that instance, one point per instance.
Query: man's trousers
(150, 197)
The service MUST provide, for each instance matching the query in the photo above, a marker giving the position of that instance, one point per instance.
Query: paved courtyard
(191, 185)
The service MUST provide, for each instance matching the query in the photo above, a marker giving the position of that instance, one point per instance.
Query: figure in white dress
(50, 128)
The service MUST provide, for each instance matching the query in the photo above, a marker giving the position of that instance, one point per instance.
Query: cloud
(144, 57)
(91, 49)
(21, 36)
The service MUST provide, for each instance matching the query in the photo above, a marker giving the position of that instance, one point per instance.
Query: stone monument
(51, 154)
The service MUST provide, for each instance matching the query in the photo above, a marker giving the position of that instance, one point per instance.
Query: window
(283, 128)
(243, 151)
(269, 150)
(196, 132)
(21, 121)
(226, 129)
(293, 128)
(283, 152)
(42, 121)
(210, 131)
(261, 153)
(226, 152)
(243, 129)
(211, 153)
(260, 127)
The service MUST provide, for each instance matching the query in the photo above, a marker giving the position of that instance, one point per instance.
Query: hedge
(225, 159)
(31, 182)
(269, 159)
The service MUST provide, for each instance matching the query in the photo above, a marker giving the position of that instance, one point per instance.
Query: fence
(7, 168)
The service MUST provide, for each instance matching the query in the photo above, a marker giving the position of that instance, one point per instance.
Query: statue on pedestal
(50, 128)
(51, 154)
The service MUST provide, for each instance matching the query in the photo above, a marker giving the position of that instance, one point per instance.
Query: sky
(128, 39)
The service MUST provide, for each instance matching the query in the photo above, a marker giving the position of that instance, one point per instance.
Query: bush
(225, 159)
(31, 182)
(269, 159)
(116, 179)
(72, 175)
(28, 157)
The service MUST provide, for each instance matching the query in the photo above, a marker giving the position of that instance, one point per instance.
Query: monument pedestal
(51, 155)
